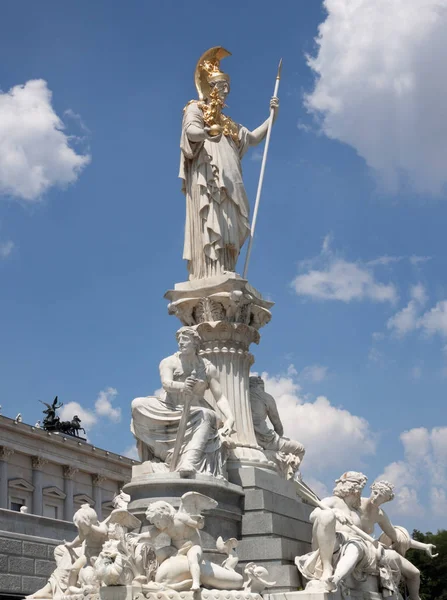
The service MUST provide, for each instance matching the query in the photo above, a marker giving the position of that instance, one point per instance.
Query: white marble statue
(78, 571)
(176, 540)
(286, 453)
(256, 578)
(168, 557)
(343, 558)
(212, 146)
(156, 421)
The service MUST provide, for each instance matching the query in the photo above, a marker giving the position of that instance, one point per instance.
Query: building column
(69, 473)
(97, 481)
(38, 463)
(5, 453)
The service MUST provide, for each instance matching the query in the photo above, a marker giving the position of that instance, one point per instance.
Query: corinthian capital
(38, 462)
(5, 452)
(70, 472)
(98, 479)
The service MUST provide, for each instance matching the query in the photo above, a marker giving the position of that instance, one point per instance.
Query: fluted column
(228, 312)
(69, 474)
(226, 346)
(97, 481)
(5, 453)
(37, 505)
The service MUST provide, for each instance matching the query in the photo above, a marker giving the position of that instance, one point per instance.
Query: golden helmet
(208, 70)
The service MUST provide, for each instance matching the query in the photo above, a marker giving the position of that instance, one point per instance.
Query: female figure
(155, 420)
(212, 146)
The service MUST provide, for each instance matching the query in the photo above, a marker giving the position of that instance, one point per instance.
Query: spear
(261, 176)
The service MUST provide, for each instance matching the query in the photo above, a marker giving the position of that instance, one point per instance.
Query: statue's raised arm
(212, 146)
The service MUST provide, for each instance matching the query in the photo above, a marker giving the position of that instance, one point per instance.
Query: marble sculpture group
(211, 417)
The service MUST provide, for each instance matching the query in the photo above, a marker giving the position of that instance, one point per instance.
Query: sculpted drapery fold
(217, 208)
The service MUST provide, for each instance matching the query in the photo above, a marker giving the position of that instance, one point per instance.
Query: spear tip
(278, 76)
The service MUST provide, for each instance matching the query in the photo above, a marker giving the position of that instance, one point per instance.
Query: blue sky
(350, 242)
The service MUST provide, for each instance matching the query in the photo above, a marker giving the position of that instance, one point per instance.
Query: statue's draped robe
(217, 208)
(373, 561)
(155, 424)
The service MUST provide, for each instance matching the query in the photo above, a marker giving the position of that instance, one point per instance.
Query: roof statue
(52, 421)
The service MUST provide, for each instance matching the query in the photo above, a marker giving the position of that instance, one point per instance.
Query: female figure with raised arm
(212, 145)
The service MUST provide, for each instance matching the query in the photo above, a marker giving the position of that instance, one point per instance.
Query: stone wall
(27, 544)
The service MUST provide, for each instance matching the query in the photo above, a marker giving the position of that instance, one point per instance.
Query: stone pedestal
(315, 595)
(225, 520)
(129, 592)
(306, 596)
(228, 313)
(275, 526)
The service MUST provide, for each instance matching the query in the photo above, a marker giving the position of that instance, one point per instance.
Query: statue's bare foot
(195, 587)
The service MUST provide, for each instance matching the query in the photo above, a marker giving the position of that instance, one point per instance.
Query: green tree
(433, 570)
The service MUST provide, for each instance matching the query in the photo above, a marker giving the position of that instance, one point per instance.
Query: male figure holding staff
(180, 428)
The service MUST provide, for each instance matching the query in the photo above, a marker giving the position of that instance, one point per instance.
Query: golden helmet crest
(208, 70)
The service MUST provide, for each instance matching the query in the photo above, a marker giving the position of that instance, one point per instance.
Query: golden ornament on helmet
(208, 70)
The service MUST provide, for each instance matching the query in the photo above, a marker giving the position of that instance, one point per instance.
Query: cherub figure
(181, 563)
(91, 532)
(182, 526)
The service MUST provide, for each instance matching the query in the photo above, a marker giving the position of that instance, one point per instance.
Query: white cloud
(103, 405)
(35, 153)
(385, 260)
(321, 489)
(131, 452)
(314, 373)
(418, 260)
(6, 248)
(407, 319)
(321, 427)
(329, 277)
(423, 473)
(435, 320)
(412, 318)
(379, 87)
(88, 417)
(438, 499)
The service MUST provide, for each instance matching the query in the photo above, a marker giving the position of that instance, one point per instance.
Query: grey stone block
(32, 584)
(224, 520)
(270, 548)
(303, 596)
(50, 550)
(3, 563)
(35, 550)
(250, 477)
(20, 564)
(262, 523)
(116, 592)
(10, 583)
(9, 546)
(44, 567)
(257, 499)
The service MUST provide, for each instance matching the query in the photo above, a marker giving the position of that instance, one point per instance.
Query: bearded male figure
(212, 147)
(340, 555)
(286, 453)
